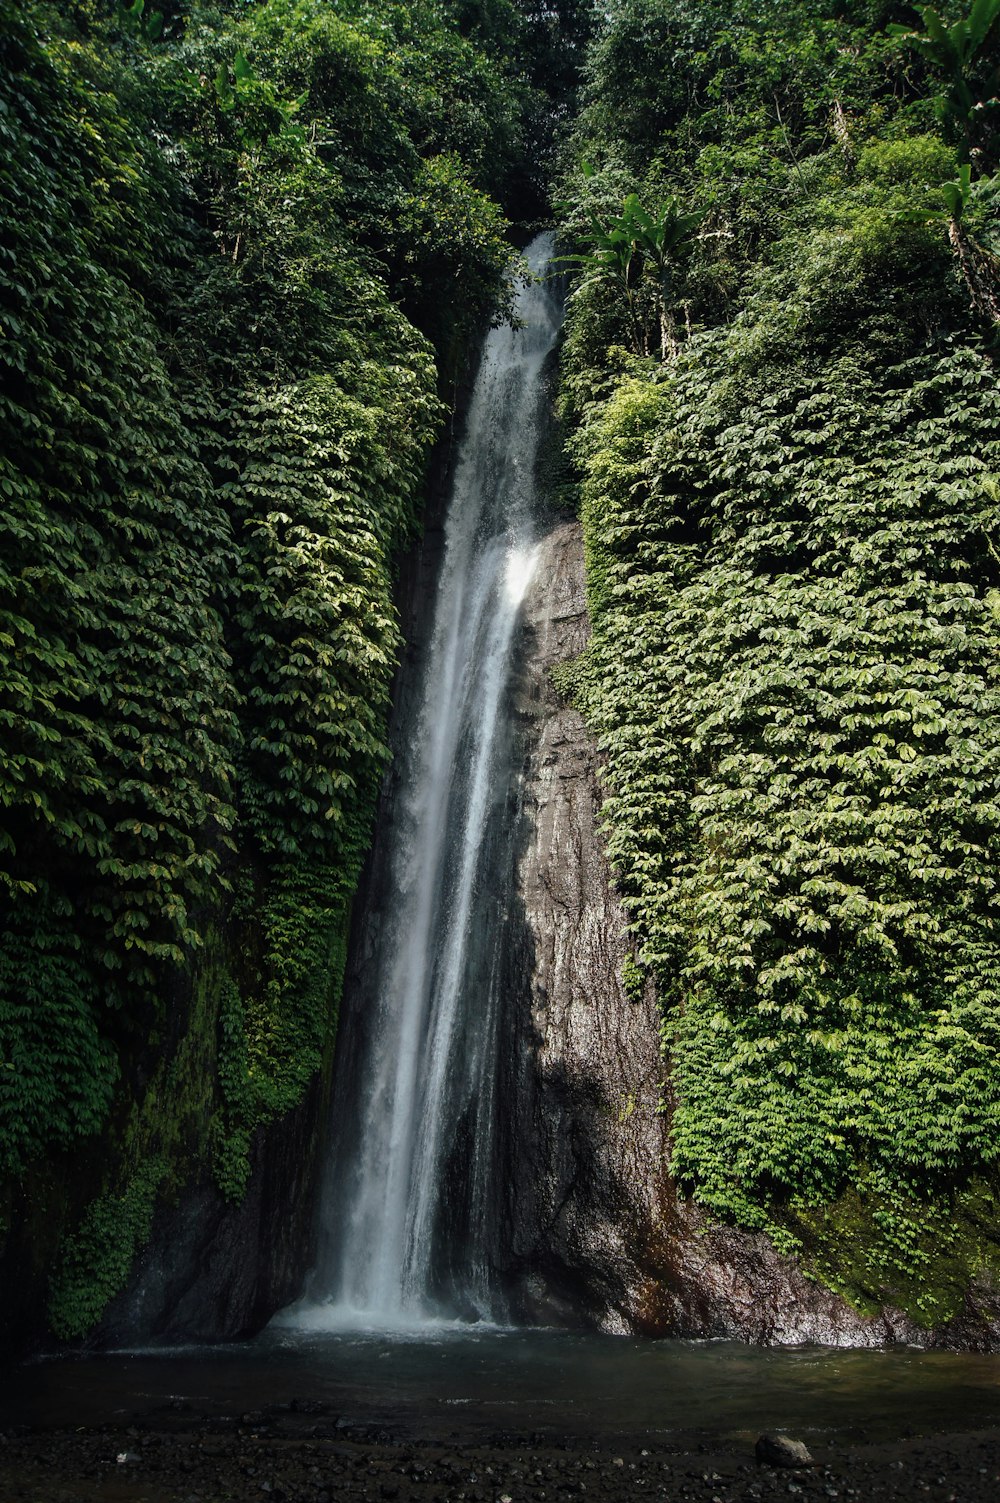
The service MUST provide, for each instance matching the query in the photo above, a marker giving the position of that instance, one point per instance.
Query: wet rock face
(595, 1229)
(214, 1270)
(588, 1073)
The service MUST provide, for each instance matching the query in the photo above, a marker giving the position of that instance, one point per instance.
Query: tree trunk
(977, 272)
(669, 343)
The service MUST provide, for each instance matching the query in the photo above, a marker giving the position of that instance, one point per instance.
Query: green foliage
(160, 1144)
(907, 162)
(637, 249)
(633, 979)
(789, 536)
(322, 499)
(271, 1044)
(97, 1257)
(57, 1071)
(794, 677)
(953, 50)
(877, 1244)
(115, 700)
(955, 208)
(134, 18)
(451, 235)
(237, 250)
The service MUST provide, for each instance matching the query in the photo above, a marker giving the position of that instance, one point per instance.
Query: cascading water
(408, 1210)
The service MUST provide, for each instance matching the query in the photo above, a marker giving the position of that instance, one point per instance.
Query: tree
(979, 266)
(639, 249)
(953, 51)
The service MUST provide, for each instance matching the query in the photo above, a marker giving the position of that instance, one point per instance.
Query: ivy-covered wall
(244, 250)
(781, 366)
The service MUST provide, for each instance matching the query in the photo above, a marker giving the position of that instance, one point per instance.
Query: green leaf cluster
(953, 48)
(116, 699)
(278, 1023)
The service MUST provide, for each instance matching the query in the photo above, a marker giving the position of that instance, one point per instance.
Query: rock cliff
(596, 1229)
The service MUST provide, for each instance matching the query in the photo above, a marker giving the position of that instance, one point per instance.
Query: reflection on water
(470, 1383)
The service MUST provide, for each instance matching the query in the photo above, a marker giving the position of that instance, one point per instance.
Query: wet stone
(781, 1451)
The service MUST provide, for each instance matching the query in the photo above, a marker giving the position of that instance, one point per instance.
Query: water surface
(467, 1383)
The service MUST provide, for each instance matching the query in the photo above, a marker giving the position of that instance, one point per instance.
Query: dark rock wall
(585, 1083)
(215, 1270)
(596, 1231)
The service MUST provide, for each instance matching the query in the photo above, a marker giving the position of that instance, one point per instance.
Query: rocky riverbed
(302, 1453)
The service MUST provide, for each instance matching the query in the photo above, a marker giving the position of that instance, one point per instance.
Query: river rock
(781, 1450)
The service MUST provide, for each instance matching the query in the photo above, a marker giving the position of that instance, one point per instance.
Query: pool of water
(480, 1383)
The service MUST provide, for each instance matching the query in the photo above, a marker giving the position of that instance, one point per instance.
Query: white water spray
(425, 1086)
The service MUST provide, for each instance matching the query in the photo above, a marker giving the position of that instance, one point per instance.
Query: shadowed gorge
(499, 752)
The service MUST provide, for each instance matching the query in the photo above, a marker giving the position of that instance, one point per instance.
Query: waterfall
(407, 1214)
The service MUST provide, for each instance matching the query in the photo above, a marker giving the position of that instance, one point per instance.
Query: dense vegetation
(244, 251)
(781, 366)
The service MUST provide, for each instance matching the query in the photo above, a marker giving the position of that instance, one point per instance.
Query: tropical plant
(979, 266)
(953, 51)
(640, 249)
(217, 417)
(135, 18)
